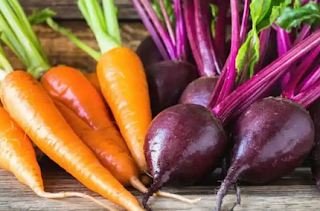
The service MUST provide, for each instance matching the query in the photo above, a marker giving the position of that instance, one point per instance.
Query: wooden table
(296, 192)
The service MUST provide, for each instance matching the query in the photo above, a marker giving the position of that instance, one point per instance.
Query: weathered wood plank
(62, 51)
(15, 196)
(67, 9)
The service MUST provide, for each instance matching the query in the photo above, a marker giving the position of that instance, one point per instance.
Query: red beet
(148, 52)
(199, 91)
(271, 138)
(183, 144)
(166, 81)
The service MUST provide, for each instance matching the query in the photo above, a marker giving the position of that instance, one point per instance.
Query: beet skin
(148, 52)
(166, 81)
(199, 91)
(271, 138)
(183, 144)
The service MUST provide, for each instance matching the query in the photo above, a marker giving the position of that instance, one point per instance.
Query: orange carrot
(125, 89)
(121, 76)
(120, 73)
(31, 107)
(116, 160)
(69, 86)
(18, 156)
(93, 78)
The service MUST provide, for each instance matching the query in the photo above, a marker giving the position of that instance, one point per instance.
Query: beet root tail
(221, 193)
(229, 180)
(238, 192)
(151, 191)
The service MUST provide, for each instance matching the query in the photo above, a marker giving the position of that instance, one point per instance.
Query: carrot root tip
(178, 197)
(73, 194)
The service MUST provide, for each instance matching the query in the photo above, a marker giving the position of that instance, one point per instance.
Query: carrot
(115, 159)
(121, 76)
(70, 87)
(18, 156)
(125, 89)
(31, 107)
(65, 84)
(93, 78)
(123, 81)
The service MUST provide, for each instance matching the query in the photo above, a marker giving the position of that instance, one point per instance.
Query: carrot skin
(124, 86)
(93, 78)
(31, 107)
(111, 156)
(17, 154)
(69, 86)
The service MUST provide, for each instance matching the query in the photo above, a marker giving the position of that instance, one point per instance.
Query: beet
(148, 52)
(166, 81)
(271, 138)
(199, 91)
(183, 144)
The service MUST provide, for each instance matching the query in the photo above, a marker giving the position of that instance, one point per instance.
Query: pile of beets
(231, 82)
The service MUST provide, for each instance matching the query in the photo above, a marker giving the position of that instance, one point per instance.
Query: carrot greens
(18, 34)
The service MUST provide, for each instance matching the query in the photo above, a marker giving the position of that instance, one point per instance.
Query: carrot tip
(178, 197)
(73, 194)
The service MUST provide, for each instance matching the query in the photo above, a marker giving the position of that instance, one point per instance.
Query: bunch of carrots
(50, 107)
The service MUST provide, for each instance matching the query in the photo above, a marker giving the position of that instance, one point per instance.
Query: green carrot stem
(24, 42)
(10, 39)
(93, 14)
(110, 13)
(15, 5)
(5, 66)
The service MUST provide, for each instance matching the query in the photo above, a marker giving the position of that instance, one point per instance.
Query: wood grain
(67, 9)
(296, 196)
(62, 51)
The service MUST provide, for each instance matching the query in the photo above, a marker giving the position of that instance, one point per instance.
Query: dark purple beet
(271, 138)
(199, 91)
(166, 81)
(148, 52)
(184, 143)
